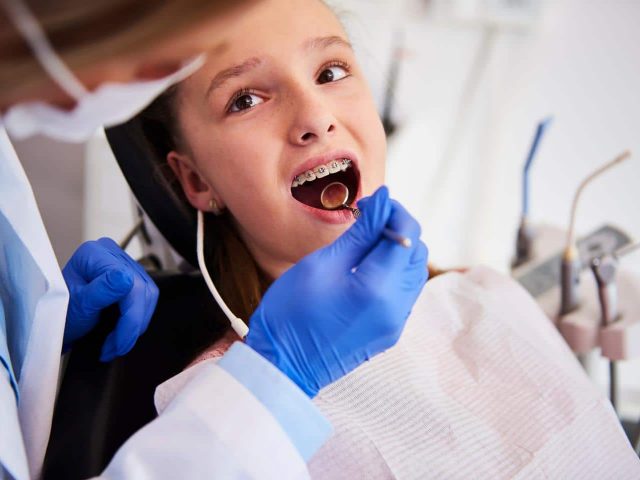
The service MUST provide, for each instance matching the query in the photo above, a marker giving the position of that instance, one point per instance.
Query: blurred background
(461, 86)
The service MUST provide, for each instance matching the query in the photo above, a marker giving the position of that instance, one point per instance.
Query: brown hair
(233, 269)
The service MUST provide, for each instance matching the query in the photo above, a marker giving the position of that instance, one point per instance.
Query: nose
(312, 119)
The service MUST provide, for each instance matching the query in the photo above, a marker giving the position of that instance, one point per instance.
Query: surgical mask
(110, 104)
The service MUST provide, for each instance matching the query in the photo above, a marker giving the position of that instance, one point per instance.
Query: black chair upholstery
(163, 202)
(100, 405)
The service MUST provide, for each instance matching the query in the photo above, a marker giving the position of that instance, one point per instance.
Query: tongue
(309, 192)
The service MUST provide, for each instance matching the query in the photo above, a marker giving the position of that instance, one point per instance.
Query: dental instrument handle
(387, 232)
(570, 282)
(524, 237)
(604, 270)
(524, 243)
(525, 171)
(396, 237)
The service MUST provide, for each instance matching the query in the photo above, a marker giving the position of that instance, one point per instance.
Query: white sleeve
(213, 428)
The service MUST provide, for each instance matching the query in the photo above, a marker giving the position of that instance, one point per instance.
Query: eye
(332, 74)
(244, 101)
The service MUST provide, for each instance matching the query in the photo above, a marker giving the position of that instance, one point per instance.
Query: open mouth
(307, 187)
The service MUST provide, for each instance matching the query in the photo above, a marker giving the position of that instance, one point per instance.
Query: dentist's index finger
(389, 254)
(403, 223)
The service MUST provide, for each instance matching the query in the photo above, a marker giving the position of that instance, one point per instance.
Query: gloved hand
(99, 274)
(322, 318)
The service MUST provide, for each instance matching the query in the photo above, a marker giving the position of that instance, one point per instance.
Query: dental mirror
(335, 196)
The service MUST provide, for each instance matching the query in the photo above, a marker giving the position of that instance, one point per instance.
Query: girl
(468, 391)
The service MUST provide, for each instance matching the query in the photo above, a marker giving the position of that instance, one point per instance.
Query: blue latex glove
(321, 318)
(100, 274)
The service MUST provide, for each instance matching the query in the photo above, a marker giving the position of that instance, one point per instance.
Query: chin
(329, 236)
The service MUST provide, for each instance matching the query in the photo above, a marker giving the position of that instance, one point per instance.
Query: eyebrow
(232, 72)
(253, 62)
(324, 42)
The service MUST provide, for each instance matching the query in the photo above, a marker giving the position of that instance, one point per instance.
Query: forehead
(278, 27)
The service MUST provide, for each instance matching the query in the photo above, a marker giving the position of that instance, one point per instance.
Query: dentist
(101, 76)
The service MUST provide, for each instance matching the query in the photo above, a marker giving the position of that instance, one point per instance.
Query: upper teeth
(337, 165)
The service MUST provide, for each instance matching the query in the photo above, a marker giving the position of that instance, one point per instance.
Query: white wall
(109, 205)
(584, 68)
(56, 173)
(471, 93)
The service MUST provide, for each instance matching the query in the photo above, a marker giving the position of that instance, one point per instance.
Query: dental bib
(480, 385)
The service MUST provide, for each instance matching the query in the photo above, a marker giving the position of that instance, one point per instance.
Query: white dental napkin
(480, 385)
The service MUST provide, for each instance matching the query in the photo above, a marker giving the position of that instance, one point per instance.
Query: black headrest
(135, 145)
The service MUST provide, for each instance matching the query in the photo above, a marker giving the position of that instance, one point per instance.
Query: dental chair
(100, 405)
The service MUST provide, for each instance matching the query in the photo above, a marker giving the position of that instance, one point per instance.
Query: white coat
(201, 434)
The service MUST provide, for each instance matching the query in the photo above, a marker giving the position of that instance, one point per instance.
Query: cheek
(379, 153)
(369, 131)
(238, 163)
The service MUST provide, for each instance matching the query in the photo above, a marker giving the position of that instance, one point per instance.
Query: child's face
(285, 96)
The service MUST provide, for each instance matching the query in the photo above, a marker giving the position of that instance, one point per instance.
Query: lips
(307, 185)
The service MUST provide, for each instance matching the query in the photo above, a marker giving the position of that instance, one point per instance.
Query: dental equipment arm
(524, 239)
(100, 274)
(570, 269)
(344, 303)
(604, 270)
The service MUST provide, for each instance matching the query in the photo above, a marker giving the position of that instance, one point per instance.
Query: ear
(195, 186)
